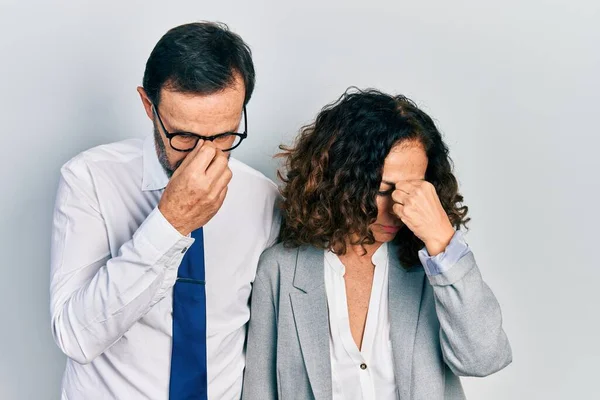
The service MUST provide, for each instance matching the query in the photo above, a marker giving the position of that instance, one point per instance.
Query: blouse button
(363, 366)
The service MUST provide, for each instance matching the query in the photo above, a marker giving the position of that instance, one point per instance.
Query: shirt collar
(380, 258)
(155, 177)
(334, 262)
(381, 255)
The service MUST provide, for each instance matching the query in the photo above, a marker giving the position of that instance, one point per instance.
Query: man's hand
(418, 206)
(197, 189)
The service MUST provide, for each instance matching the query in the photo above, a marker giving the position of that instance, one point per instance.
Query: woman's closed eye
(387, 192)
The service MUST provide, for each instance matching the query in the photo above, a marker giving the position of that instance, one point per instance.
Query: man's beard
(163, 159)
(161, 152)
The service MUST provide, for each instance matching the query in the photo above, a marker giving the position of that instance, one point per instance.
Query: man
(155, 243)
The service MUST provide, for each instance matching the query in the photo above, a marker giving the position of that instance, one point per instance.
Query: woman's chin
(384, 237)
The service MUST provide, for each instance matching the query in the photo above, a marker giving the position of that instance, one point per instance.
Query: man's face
(205, 115)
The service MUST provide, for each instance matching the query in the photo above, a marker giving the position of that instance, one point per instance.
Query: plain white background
(513, 85)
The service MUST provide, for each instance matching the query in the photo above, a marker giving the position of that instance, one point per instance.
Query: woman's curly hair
(332, 174)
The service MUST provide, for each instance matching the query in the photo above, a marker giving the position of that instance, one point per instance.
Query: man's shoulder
(122, 152)
(245, 174)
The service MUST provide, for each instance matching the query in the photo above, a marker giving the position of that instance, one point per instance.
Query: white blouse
(365, 374)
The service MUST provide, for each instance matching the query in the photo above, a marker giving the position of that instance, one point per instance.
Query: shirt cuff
(456, 249)
(159, 238)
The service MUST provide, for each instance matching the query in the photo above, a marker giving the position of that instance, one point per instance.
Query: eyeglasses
(187, 141)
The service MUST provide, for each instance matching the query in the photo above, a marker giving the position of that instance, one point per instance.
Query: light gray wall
(513, 85)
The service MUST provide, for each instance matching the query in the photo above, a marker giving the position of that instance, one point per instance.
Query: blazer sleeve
(260, 375)
(471, 335)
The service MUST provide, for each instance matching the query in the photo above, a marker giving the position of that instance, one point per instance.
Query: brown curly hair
(331, 176)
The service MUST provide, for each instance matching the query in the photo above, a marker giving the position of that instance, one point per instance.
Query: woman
(372, 294)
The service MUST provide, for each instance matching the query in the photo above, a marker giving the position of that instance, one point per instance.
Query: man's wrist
(179, 226)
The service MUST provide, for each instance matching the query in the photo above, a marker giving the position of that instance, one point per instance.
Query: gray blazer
(442, 327)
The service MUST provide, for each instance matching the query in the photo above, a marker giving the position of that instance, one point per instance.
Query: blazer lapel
(309, 306)
(404, 296)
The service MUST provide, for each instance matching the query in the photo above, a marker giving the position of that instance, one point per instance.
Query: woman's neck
(361, 253)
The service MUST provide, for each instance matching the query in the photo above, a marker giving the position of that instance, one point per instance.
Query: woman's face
(406, 161)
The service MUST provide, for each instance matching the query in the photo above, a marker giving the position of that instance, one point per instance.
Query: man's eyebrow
(178, 130)
(173, 128)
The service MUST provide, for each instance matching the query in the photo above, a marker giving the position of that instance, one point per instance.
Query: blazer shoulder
(279, 253)
(277, 260)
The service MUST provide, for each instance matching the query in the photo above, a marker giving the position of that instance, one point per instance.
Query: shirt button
(184, 250)
(363, 366)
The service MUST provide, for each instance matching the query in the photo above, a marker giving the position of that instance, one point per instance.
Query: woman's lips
(390, 228)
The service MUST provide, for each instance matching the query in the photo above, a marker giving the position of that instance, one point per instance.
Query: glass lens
(227, 141)
(184, 142)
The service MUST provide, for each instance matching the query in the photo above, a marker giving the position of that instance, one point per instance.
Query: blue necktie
(188, 356)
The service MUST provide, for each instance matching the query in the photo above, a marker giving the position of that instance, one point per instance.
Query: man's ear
(146, 102)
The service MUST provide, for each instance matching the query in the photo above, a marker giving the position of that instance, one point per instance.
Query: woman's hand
(417, 204)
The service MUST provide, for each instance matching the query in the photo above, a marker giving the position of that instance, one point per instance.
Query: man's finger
(222, 180)
(219, 164)
(222, 195)
(204, 157)
(188, 159)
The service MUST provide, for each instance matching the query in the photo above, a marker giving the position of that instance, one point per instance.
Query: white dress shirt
(365, 374)
(114, 263)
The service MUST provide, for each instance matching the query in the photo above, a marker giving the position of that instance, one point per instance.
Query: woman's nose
(389, 205)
